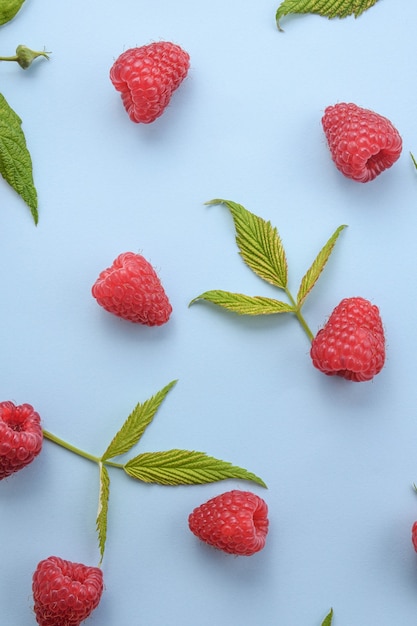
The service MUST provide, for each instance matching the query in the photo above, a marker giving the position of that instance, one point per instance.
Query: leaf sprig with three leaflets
(261, 249)
(169, 467)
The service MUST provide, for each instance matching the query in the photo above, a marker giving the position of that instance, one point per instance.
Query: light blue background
(339, 458)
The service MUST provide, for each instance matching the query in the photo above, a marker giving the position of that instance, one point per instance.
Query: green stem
(78, 451)
(300, 317)
(14, 58)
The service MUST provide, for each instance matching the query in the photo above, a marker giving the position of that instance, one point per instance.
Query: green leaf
(244, 305)
(328, 619)
(101, 521)
(413, 160)
(8, 9)
(15, 160)
(259, 244)
(184, 467)
(313, 273)
(325, 8)
(136, 423)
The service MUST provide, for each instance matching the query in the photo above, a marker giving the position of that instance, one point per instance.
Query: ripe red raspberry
(147, 77)
(65, 593)
(21, 437)
(414, 535)
(352, 343)
(131, 289)
(235, 522)
(362, 143)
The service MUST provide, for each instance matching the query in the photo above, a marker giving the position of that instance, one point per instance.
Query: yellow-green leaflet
(244, 305)
(184, 467)
(259, 244)
(328, 619)
(312, 275)
(8, 9)
(325, 8)
(136, 423)
(103, 507)
(15, 159)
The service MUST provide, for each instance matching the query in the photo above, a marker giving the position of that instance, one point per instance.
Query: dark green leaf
(326, 8)
(15, 160)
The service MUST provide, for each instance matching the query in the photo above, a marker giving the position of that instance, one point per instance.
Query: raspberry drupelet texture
(235, 522)
(352, 343)
(65, 593)
(147, 77)
(21, 437)
(131, 289)
(362, 143)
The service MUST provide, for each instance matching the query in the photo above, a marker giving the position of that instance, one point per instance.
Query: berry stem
(299, 315)
(78, 451)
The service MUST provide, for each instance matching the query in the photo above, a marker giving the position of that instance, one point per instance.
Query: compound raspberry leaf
(103, 506)
(8, 9)
(311, 276)
(136, 423)
(259, 244)
(244, 305)
(184, 467)
(15, 159)
(325, 8)
(328, 619)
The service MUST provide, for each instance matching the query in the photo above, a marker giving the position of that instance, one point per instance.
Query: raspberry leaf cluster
(169, 467)
(328, 8)
(262, 250)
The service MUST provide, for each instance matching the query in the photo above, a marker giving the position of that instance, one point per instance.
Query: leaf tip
(214, 202)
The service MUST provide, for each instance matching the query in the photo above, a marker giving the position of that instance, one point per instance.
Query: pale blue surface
(339, 458)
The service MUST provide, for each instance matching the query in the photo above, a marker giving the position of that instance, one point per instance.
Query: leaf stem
(78, 451)
(299, 315)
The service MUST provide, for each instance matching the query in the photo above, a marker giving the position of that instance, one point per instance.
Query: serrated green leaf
(325, 8)
(328, 619)
(8, 9)
(259, 244)
(244, 305)
(184, 467)
(136, 423)
(103, 505)
(311, 276)
(15, 160)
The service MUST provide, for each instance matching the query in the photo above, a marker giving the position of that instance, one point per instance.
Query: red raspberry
(21, 437)
(65, 593)
(414, 535)
(352, 343)
(131, 289)
(362, 143)
(147, 77)
(235, 522)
